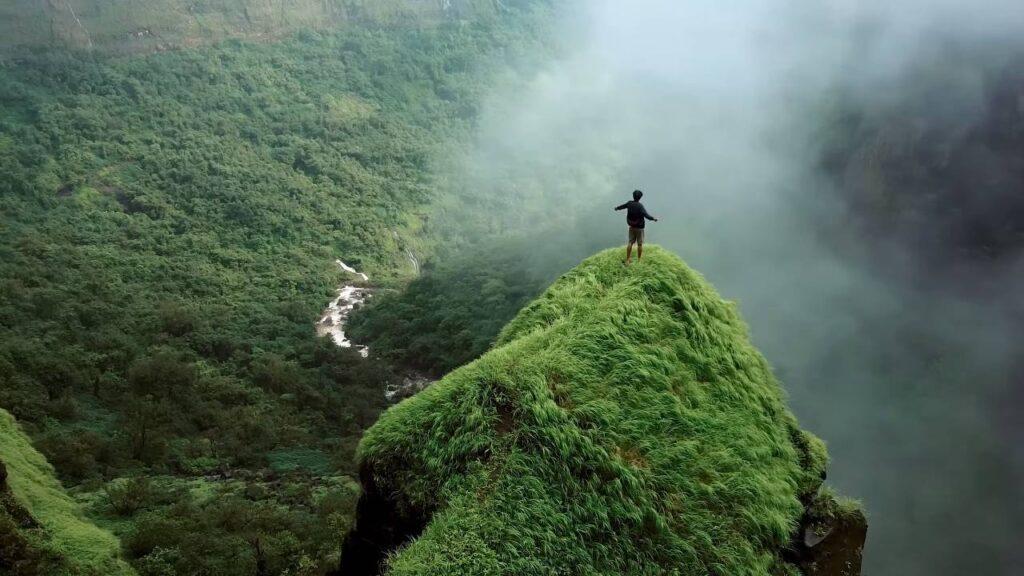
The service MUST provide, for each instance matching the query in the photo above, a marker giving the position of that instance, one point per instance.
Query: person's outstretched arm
(622, 207)
(648, 216)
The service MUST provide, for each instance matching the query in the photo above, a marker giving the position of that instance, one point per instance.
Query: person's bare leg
(639, 251)
(629, 252)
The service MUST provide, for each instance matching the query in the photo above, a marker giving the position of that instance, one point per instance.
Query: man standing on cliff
(636, 218)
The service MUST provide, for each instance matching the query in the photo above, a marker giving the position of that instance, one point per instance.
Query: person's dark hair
(637, 194)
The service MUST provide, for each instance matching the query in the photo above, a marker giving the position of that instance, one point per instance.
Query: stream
(332, 323)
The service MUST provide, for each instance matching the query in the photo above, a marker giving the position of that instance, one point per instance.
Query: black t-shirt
(635, 214)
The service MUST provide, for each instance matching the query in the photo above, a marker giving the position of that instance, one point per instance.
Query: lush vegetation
(169, 229)
(452, 313)
(622, 424)
(170, 225)
(54, 538)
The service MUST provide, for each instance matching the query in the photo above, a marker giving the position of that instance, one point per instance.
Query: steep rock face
(127, 26)
(622, 424)
(42, 531)
(938, 168)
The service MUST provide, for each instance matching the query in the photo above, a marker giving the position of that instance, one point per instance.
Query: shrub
(126, 496)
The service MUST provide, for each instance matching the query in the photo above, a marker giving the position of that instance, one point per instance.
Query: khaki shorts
(636, 235)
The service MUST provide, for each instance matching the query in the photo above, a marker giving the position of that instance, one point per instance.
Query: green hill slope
(623, 424)
(42, 530)
(169, 230)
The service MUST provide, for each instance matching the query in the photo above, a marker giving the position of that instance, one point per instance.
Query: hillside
(171, 222)
(622, 424)
(42, 530)
(127, 26)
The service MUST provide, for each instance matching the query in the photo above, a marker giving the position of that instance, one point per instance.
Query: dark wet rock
(382, 525)
(411, 384)
(830, 540)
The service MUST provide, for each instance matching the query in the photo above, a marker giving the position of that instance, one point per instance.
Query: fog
(719, 111)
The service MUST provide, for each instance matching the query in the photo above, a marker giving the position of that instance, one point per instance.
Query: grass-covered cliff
(42, 530)
(622, 424)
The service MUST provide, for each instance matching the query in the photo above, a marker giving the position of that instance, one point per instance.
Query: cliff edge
(622, 424)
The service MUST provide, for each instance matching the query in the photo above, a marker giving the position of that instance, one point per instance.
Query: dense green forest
(454, 311)
(170, 225)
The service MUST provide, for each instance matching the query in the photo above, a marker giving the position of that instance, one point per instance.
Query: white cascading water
(332, 322)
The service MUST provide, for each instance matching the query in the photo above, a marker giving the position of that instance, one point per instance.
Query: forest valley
(171, 222)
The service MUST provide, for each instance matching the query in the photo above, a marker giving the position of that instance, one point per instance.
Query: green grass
(85, 548)
(622, 424)
(299, 458)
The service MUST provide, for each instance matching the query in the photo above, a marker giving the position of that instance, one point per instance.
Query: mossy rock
(830, 541)
(622, 424)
